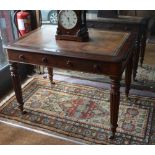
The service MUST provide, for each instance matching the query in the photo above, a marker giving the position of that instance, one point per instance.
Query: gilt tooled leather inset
(101, 42)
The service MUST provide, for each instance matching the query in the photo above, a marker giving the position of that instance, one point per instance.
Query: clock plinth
(79, 36)
(72, 38)
(72, 26)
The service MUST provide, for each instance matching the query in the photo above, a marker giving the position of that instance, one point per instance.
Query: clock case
(78, 33)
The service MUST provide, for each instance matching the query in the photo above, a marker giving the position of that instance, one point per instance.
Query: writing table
(107, 52)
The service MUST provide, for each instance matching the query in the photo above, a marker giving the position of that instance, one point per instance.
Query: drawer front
(62, 62)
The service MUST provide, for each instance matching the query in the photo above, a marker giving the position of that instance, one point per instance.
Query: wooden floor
(16, 135)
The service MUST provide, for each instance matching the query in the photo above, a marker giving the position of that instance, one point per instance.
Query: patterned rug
(82, 112)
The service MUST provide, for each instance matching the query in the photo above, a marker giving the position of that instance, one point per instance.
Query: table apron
(90, 66)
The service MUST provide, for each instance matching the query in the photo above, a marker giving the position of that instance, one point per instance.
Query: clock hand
(68, 20)
(66, 17)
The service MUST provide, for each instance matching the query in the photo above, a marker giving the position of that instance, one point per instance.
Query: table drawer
(25, 57)
(61, 62)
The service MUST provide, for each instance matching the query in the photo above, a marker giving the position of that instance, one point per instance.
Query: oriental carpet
(82, 113)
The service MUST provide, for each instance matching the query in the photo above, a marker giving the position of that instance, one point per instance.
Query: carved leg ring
(17, 86)
(114, 104)
(50, 73)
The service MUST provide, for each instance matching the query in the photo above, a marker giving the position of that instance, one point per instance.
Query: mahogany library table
(107, 52)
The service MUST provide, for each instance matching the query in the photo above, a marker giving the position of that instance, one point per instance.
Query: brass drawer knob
(21, 57)
(44, 60)
(96, 67)
(69, 63)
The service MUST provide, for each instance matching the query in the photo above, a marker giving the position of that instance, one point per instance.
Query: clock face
(68, 19)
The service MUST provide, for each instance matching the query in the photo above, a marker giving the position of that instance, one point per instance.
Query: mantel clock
(72, 25)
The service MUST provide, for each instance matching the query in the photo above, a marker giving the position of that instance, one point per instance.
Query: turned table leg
(143, 46)
(136, 58)
(128, 76)
(114, 104)
(50, 73)
(17, 85)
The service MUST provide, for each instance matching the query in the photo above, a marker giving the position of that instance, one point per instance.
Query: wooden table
(136, 25)
(107, 52)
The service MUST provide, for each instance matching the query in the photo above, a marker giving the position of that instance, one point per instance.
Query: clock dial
(68, 19)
